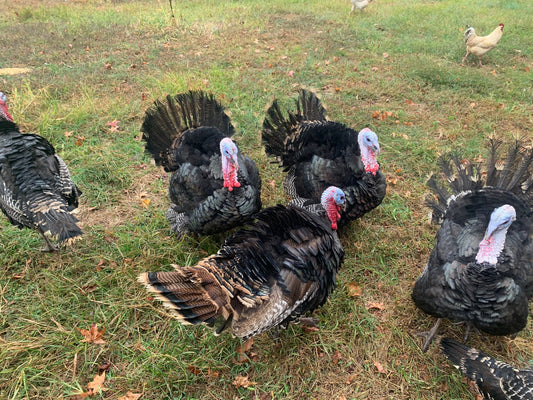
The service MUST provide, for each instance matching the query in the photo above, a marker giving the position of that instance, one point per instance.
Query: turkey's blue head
(492, 244)
(333, 200)
(369, 147)
(4, 112)
(230, 164)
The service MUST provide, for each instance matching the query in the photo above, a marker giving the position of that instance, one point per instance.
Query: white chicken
(359, 4)
(479, 45)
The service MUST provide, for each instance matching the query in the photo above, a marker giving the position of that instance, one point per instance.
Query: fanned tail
(277, 127)
(513, 175)
(310, 107)
(166, 120)
(193, 294)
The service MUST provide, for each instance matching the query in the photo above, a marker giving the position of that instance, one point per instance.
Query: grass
(94, 62)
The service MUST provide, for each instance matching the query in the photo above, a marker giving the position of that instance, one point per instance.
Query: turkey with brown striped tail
(36, 190)
(317, 153)
(213, 187)
(481, 268)
(265, 275)
(494, 379)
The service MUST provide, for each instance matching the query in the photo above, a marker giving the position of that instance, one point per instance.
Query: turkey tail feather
(310, 107)
(514, 175)
(165, 121)
(59, 223)
(192, 293)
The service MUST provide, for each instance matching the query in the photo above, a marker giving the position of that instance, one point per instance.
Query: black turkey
(265, 275)
(480, 270)
(35, 186)
(494, 379)
(212, 187)
(317, 153)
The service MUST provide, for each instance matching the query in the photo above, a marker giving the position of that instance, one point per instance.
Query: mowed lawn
(92, 67)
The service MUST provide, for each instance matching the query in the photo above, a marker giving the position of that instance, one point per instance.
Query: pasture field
(94, 66)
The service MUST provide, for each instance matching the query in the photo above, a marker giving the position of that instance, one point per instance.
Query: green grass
(94, 62)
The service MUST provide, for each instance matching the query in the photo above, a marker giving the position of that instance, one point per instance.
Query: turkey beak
(376, 149)
(233, 160)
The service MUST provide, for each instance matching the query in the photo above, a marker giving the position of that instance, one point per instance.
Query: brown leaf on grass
(379, 367)
(113, 125)
(130, 396)
(374, 305)
(104, 366)
(93, 335)
(19, 275)
(336, 357)
(242, 381)
(194, 370)
(97, 384)
(79, 140)
(244, 347)
(85, 290)
(354, 290)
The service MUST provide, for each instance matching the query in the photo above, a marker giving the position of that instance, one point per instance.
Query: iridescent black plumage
(183, 134)
(494, 379)
(317, 153)
(266, 275)
(454, 285)
(35, 186)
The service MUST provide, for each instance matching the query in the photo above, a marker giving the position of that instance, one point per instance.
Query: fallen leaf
(68, 133)
(373, 305)
(93, 335)
(243, 348)
(354, 290)
(79, 140)
(242, 381)
(290, 73)
(113, 125)
(145, 202)
(374, 69)
(100, 264)
(130, 396)
(194, 370)
(104, 366)
(19, 275)
(88, 289)
(97, 384)
(379, 367)
(336, 357)
(385, 55)
(107, 65)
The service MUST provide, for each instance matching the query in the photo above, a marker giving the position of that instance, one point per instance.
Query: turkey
(480, 270)
(494, 379)
(265, 275)
(35, 186)
(317, 153)
(212, 187)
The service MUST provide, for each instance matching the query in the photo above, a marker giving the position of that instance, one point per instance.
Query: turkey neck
(368, 157)
(491, 248)
(229, 170)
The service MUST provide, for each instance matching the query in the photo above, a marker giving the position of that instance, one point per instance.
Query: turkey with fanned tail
(317, 153)
(35, 186)
(265, 275)
(494, 379)
(481, 268)
(213, 187)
